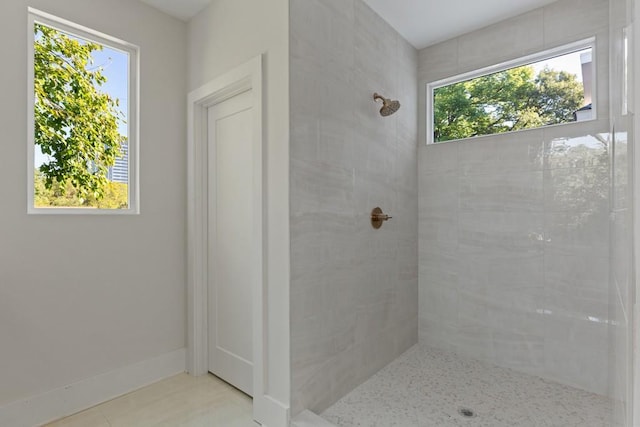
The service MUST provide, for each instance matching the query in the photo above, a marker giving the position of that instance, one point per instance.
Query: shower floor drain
(466, 412)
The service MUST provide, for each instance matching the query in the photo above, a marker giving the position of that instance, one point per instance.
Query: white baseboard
(68, 400)
(270, 412)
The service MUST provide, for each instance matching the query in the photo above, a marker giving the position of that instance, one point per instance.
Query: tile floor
(422, 388)
(181, 400)
(426, 387)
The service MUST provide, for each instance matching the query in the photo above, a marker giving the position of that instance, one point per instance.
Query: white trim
(233, 83)
(633, 391)
(266, 410)
(270, 412)
(502, 66)
(73, 398)
(133, 124)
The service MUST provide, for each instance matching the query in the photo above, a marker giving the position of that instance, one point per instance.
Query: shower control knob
(378, 218)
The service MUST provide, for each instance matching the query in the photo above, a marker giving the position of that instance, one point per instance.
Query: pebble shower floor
(432, 388)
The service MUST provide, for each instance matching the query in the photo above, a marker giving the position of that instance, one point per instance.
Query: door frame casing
(247, 76)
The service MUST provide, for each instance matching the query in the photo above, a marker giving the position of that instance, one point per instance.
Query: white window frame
(133, 187)
(525, 60)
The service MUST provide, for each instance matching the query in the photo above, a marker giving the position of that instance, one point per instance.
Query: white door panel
(231, 240)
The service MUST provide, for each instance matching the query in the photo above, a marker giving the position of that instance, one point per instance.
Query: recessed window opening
(83, 119)
(550, 88)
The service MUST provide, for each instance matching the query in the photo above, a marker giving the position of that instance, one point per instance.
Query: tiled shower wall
(354, 290)
(620, 374)
(514, 237)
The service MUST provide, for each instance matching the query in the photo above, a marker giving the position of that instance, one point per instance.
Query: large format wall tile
(522, 151)
(571, 233)
(587, 17)
(354, 290)
(502, 192)
(576, 353)
(439, 61)
(514, 236)
(503, 234)
(503, 41)
(441, 158)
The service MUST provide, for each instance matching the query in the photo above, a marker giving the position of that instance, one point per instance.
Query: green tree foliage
(65, 195)
(560, 95)
(76, 124)
(508, 100)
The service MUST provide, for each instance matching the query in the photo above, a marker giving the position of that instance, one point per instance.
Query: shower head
(388, 106)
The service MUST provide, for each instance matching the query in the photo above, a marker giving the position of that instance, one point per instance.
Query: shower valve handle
(381, 217)
(378, 217)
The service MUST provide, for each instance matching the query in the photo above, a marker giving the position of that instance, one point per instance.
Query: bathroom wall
(620, 349)
(353, 289)
(514, 253)
(225, 35)
(82, 295)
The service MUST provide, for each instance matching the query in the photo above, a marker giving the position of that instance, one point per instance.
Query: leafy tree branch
(76, 123)
(508, 100)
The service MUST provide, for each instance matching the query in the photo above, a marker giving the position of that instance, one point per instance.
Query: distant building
(119, 172)
(586, 112)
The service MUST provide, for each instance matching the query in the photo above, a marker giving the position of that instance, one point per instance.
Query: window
(550, 88)
(83, 103)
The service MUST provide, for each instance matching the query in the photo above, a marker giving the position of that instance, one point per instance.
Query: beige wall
(353, 289)
(83, 295)
(225, 35)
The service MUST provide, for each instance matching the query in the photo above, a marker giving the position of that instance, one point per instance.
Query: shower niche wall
(497, 262)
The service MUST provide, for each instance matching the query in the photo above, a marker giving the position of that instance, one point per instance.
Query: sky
(115, 67)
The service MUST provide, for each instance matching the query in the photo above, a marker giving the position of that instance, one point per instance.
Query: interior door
(231, 240)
